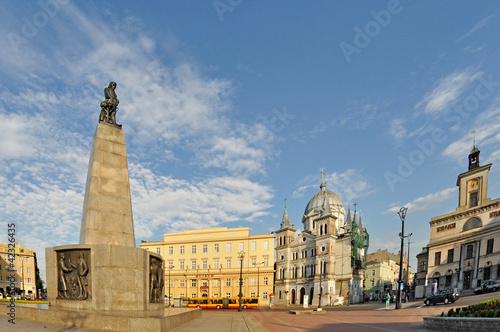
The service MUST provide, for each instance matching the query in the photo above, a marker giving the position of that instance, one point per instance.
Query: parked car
(488, 286)
(446, 296)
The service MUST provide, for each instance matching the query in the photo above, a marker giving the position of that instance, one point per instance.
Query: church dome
(316, 202)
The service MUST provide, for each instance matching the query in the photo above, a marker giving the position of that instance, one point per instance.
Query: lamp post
(170, 267)
(402, 216)
(408, 261)
(241, 254)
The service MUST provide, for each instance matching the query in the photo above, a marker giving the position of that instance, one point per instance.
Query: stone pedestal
(107, 208)
(106, 271)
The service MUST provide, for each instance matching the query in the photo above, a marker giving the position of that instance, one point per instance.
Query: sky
(231, 106)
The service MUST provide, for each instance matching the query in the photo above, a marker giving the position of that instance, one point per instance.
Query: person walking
(387, 300)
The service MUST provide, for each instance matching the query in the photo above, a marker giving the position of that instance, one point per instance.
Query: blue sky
(228, 107)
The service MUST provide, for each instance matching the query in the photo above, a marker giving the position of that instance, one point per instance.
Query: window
(241, 246)
(193, 265)
(216, 263)
(252, 294)
(205, 265)
(193, 282)
(470, 249)
(228, 263)
(266, 245)
(205, 248)
(265, 281)
(182, 250)
(170, 250)
(266, 261)
(204, 283)
(373, 282)
(182, 265)
(264, 296)
(254, 262)
(450, 256)
(473, 199)
(27, 259)
(252, 281)
(1, 277)
(253, 246)
(158, 251)
(437, 258)
(489, 247)
(182, 295)
(423, 266)
(170, 265)
(181, 284)
(216, 283)
(373, 273)
(0, 267)
(171, 283)
(216, 294)
(216, 247)
(228, 282)
(228, 247)
(193, 249)
(228, 294)
(193, 294)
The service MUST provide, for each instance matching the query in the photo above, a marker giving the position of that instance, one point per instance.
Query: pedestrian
(387, 300)
(348, 295)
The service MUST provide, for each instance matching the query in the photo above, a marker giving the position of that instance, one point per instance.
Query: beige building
(464, 247)
(21, 265)
(382, 273)
(205, 263)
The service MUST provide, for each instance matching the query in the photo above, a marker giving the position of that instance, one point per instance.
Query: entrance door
(467, 278)
(293, 296)
(302, 293)
(311, 294)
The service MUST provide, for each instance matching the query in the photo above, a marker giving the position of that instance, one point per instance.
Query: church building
(326, 260)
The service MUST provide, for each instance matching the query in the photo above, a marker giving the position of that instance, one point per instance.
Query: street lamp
(402, 216)
(170, 267)
(408, 260)
(241, 254)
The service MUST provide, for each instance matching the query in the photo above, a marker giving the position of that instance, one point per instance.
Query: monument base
(159, 320)
(112, 278)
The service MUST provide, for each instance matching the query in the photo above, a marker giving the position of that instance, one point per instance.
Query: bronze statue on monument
(109, 106)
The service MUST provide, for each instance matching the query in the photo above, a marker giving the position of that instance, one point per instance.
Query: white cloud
(447, 91)
(425, 203)
(478, 26)
(397, 129)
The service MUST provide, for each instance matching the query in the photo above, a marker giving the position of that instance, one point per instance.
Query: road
(371, 316)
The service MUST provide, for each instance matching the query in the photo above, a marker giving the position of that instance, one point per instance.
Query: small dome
(316, 203)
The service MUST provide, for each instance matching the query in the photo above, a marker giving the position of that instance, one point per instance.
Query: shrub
(457, 310)
(490, 313)
(463, 313)
(451, 313)
(497, 313)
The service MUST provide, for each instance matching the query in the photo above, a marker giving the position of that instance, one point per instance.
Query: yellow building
(382, 273)
(205, 263)
(21, 266)
(464, 247)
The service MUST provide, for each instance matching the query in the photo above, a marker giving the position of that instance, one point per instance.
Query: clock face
(473, 184)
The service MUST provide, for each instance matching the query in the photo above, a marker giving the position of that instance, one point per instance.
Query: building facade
(205, 263)
(464, 247)
(325, 260)
(382, 273)
(21, 266)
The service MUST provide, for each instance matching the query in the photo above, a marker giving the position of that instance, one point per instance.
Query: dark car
(446, 296)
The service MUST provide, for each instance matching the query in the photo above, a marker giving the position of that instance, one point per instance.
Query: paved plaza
(371, 316)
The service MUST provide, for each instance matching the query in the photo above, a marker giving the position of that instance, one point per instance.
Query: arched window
(326, 229)
(472, 223)
(321, 230)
